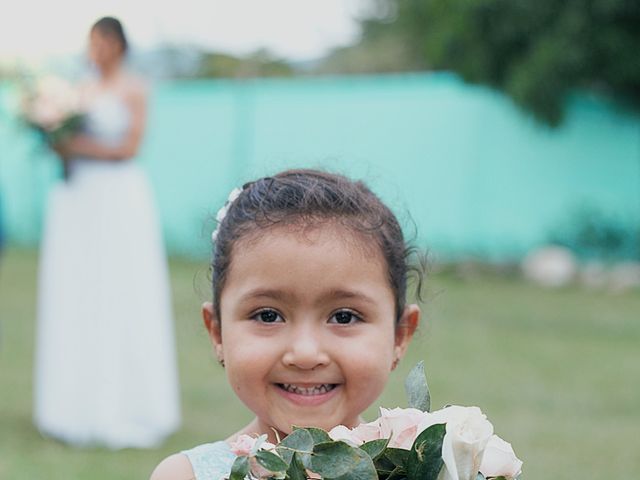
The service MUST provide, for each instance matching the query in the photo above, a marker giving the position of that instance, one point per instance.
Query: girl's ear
(405, 329)
(212, 324)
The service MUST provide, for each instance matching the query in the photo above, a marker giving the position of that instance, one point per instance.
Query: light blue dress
(211, 461)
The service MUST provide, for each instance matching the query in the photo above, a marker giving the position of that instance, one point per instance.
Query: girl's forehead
(331, 256)
(326, 233)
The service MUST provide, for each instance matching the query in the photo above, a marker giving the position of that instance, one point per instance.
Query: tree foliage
(536, 51)
(188, 61)
(258, 64)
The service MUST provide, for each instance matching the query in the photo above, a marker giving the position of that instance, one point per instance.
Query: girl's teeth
(315, 390)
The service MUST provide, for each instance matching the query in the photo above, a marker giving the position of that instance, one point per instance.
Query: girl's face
(307, 330)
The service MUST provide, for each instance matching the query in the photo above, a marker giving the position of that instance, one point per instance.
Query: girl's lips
(308, 395)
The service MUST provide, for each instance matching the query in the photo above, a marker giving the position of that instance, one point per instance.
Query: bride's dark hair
(112, 27)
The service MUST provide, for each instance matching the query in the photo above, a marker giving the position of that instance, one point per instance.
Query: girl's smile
(311, 395)
(308, 330)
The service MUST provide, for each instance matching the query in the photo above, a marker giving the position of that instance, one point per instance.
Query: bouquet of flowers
(52, 106)
(454, 443)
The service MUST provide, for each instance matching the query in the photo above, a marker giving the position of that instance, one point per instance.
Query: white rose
(467, 434)
(500, 459)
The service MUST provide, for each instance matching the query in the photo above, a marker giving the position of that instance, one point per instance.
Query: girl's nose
(306, 350)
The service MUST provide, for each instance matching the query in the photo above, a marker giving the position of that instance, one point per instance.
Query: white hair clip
(235, 193)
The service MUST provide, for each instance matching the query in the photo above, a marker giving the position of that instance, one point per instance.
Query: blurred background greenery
(499, 125)
(537, 52)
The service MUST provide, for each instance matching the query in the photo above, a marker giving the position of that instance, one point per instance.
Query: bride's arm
(84, 146)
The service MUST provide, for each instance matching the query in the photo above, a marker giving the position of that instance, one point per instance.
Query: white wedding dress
(105, 369)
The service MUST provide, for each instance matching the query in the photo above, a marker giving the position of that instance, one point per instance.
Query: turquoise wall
(476, 175)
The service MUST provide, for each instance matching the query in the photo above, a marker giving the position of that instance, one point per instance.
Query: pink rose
(500, 459)
(247, 446)
(243, 445)
(342, 433)
(401, 426)
(365, 432)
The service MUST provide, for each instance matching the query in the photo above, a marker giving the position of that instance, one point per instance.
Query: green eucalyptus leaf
(318, 435)
(398, 456)
(375, 448)
(384, 466)
(299, 440)
(415, 384)
(398, 473)
(425, 459)
(364, 470)
(335, 459)
(271, 461)
(240, 468)
(296, 470)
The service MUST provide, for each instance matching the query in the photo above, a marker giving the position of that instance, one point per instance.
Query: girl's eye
(344, 317)
(267, 316)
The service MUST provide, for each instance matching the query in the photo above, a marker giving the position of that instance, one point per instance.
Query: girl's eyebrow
(267, 293)
(284, 296)
(347, 294)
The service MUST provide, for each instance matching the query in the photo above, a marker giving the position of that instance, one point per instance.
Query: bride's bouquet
(52, 107)
(454, 443)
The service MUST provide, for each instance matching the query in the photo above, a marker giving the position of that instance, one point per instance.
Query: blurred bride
(105, 370)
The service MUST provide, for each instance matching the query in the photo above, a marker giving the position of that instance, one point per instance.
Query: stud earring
(395, 363)
(221, 362)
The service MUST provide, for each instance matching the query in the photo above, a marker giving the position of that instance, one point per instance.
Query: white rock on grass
(624, 276)
(550, 266)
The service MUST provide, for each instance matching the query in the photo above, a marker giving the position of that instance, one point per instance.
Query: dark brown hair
(307, 198)
(112, 27)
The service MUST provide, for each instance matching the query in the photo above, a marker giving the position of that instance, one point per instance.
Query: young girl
(308, 315)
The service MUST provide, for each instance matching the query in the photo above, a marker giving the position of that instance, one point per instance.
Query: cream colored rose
(344, 434)
(467, 434)
(500, 459)
(365, 432)
(401, 425)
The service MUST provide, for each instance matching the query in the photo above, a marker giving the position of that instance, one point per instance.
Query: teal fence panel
(474, 174)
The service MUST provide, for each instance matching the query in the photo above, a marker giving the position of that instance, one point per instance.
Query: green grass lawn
(557, 372)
